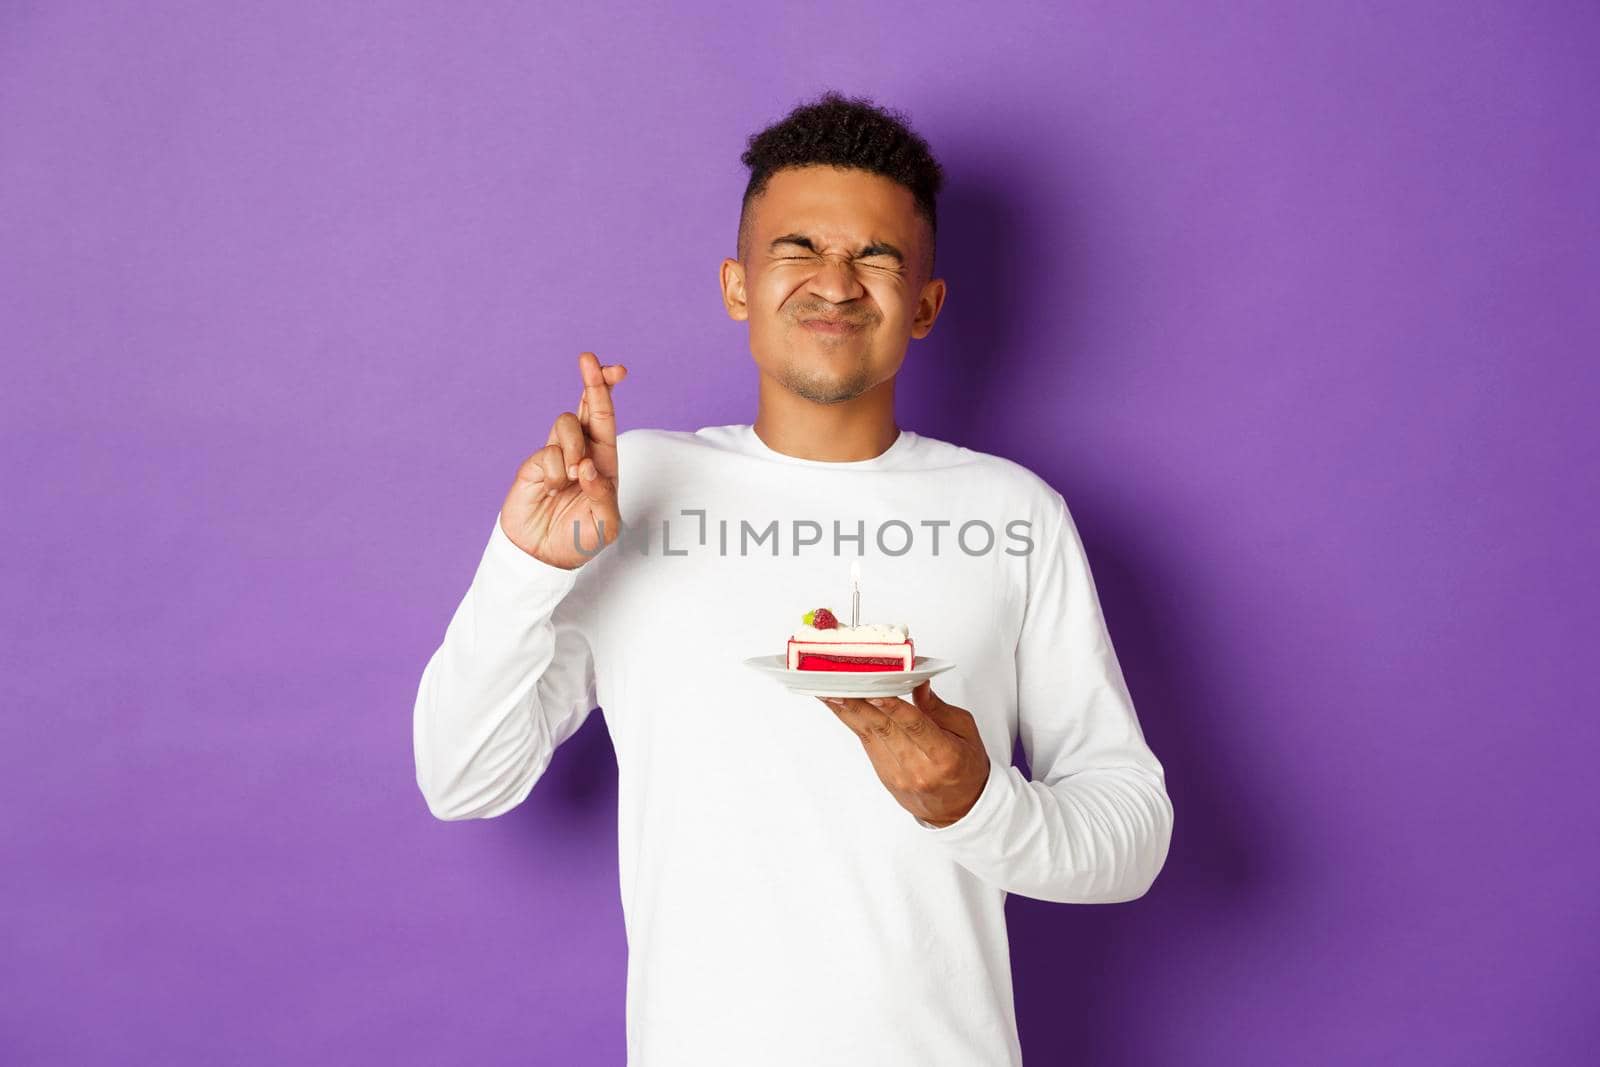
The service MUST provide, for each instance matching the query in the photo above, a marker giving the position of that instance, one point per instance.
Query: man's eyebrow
(877, 248)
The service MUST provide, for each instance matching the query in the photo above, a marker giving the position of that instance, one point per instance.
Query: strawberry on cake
(821, 644)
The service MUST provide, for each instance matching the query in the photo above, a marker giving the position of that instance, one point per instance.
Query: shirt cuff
(513, 572)
(998, 793)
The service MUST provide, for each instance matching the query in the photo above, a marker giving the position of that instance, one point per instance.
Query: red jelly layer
(810, 661)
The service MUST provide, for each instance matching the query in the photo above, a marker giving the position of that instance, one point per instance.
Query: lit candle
(855, 593)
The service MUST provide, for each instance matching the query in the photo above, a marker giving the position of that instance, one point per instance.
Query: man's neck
(848, 431)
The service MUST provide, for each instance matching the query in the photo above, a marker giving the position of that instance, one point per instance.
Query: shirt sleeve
(512, 679)
(1094, 825)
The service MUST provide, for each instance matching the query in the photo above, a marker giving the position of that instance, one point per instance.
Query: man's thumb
(956, 720)
(925, 698)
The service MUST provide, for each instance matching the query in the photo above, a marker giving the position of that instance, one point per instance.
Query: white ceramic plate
(848, 683)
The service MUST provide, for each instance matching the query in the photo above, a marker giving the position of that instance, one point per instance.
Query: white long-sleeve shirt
(781, 908)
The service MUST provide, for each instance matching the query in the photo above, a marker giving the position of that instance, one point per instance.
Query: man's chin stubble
(824, 390)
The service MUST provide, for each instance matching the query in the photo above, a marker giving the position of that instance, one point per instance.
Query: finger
(597, 382)
(956, 720)
(925, 698)
(876, 727)
(601, 422)
(613, 373)
(567, 433)
(883, 758)
(923, 731)
(551, 461)
(602, 496)
(531, 473)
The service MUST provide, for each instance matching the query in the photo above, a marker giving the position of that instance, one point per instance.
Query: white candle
(855, 592)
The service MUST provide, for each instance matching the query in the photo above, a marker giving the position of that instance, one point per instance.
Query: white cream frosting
(871, 631)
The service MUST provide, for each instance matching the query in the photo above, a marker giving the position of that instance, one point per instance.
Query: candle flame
(855, 570)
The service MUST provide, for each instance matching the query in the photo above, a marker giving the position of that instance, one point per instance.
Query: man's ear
(733, 295)
(928, 305)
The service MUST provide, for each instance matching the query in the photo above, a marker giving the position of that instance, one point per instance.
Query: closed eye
(880, 251)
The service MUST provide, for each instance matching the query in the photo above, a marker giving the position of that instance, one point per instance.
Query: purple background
(1296, 306)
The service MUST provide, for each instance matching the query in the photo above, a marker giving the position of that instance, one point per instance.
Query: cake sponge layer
(851, 656)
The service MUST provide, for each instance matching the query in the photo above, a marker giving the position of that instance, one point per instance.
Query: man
(800, 887)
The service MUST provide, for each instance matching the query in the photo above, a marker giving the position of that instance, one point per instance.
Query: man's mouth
(831, 326)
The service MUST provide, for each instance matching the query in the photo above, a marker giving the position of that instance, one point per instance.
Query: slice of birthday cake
(821, 644)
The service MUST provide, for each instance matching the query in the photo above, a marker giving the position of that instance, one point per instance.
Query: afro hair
(850, 132)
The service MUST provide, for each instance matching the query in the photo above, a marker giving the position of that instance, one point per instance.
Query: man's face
(831, 305)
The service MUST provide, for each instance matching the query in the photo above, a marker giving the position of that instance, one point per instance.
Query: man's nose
(836, 280)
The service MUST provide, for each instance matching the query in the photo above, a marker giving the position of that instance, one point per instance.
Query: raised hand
(572, 478)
